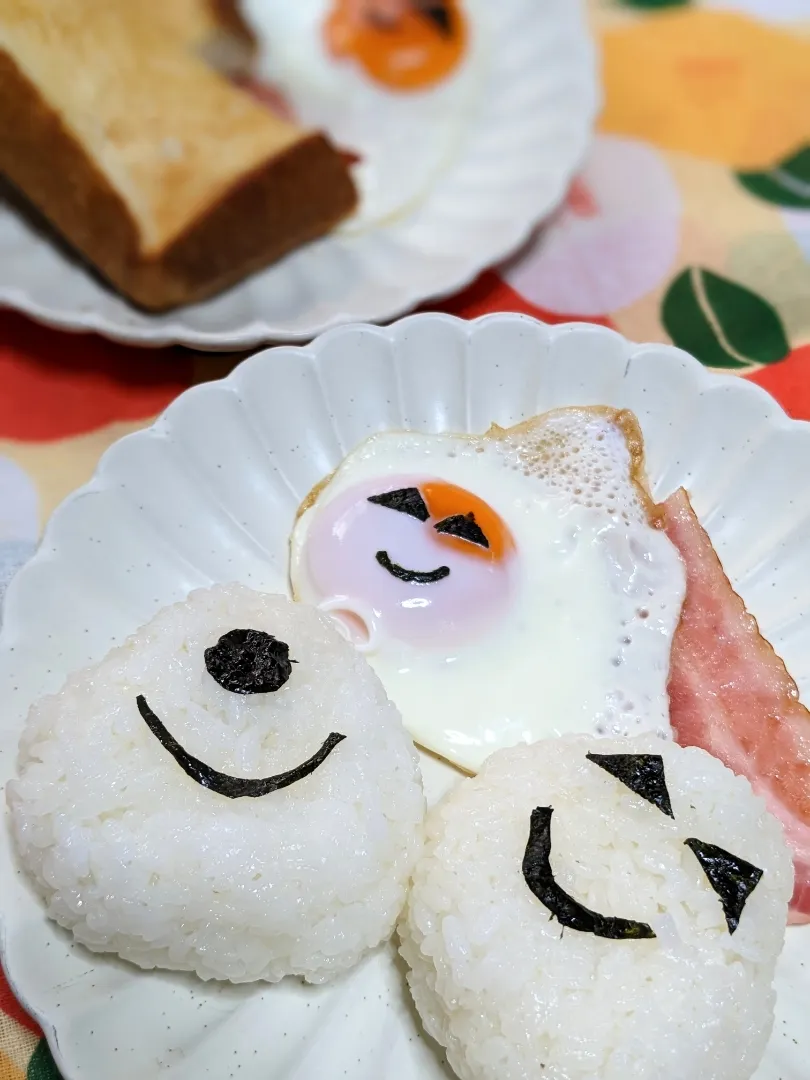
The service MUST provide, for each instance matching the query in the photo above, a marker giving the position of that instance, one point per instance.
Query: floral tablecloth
(690, 222)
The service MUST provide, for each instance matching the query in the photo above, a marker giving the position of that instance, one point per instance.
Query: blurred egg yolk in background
(400, 44)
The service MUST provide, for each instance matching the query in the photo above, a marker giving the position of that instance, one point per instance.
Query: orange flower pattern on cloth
(689, 223)
(715, 84)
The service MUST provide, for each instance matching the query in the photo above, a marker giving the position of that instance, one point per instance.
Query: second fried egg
(405, 140)
(505, 587)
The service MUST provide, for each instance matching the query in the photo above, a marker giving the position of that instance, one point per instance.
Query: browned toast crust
(293, 197)
(230, 45)
(296, 197)
(227, 14)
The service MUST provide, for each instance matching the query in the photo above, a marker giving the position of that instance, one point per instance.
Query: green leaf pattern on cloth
(651, 4)
(42, 1066)
(786, 184)
(721, 322)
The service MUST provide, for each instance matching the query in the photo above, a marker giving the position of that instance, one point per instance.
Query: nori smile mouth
(569, 912)
(234, 787)
(412, 577)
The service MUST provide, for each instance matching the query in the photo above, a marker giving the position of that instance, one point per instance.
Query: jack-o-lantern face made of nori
(599, 907)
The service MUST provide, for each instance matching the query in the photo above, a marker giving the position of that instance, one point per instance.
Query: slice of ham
(731, 694)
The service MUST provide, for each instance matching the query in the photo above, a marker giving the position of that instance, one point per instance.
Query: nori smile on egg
(411, 577)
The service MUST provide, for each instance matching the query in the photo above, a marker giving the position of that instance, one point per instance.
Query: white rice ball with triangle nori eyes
(138, 858)
(513, 994)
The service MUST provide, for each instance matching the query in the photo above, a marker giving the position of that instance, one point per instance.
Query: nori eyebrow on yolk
(233, 787)
(642, 773)
(732, 878)
(249, 662)
(465, 527)
(405, 500)
(539, 877)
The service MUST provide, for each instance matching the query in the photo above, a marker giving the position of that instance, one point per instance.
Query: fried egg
(405, 140)
(505, 587)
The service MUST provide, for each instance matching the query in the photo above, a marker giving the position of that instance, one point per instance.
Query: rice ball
(139, 812)
(617, 916)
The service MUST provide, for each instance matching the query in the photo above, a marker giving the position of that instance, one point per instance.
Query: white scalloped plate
(209, 493)
(518, 129)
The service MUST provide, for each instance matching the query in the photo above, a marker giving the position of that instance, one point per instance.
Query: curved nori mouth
(233, 787)
(412, 577)
(569, 912)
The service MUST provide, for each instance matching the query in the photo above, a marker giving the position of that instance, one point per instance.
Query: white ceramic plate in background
(209, 494)
(517, 127)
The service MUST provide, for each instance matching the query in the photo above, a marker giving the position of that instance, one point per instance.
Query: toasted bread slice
(214, 29)
(171, 181)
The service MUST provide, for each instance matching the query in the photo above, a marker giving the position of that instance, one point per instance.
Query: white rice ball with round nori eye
(137, 858)
(513, 995)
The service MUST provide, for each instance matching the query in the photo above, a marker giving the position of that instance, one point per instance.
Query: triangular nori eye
(406, 500)
(642, 773)
(465, 527)
(439, 15)
(732, 878)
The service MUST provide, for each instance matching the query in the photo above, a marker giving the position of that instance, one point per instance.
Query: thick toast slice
(214, 29)
(172, 182)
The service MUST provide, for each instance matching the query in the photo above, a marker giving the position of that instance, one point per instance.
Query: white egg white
(584, 645)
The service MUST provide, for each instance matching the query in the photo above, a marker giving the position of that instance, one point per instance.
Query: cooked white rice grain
(137, 858)
(513, 996)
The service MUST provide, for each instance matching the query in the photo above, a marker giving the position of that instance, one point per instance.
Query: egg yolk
(410, 558)
(401, 44)
(448, 501)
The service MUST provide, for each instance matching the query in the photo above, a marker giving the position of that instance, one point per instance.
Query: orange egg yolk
(446, 500)
(412, 47)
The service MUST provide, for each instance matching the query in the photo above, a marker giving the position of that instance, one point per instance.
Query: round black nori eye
(233, 787)
(732, 878)
(465, 527)
(405, 500)
(642, 773)
(249, 662)
(412, 577)
(539, 877)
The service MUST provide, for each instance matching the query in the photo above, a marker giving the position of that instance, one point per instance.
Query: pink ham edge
(732, 695)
